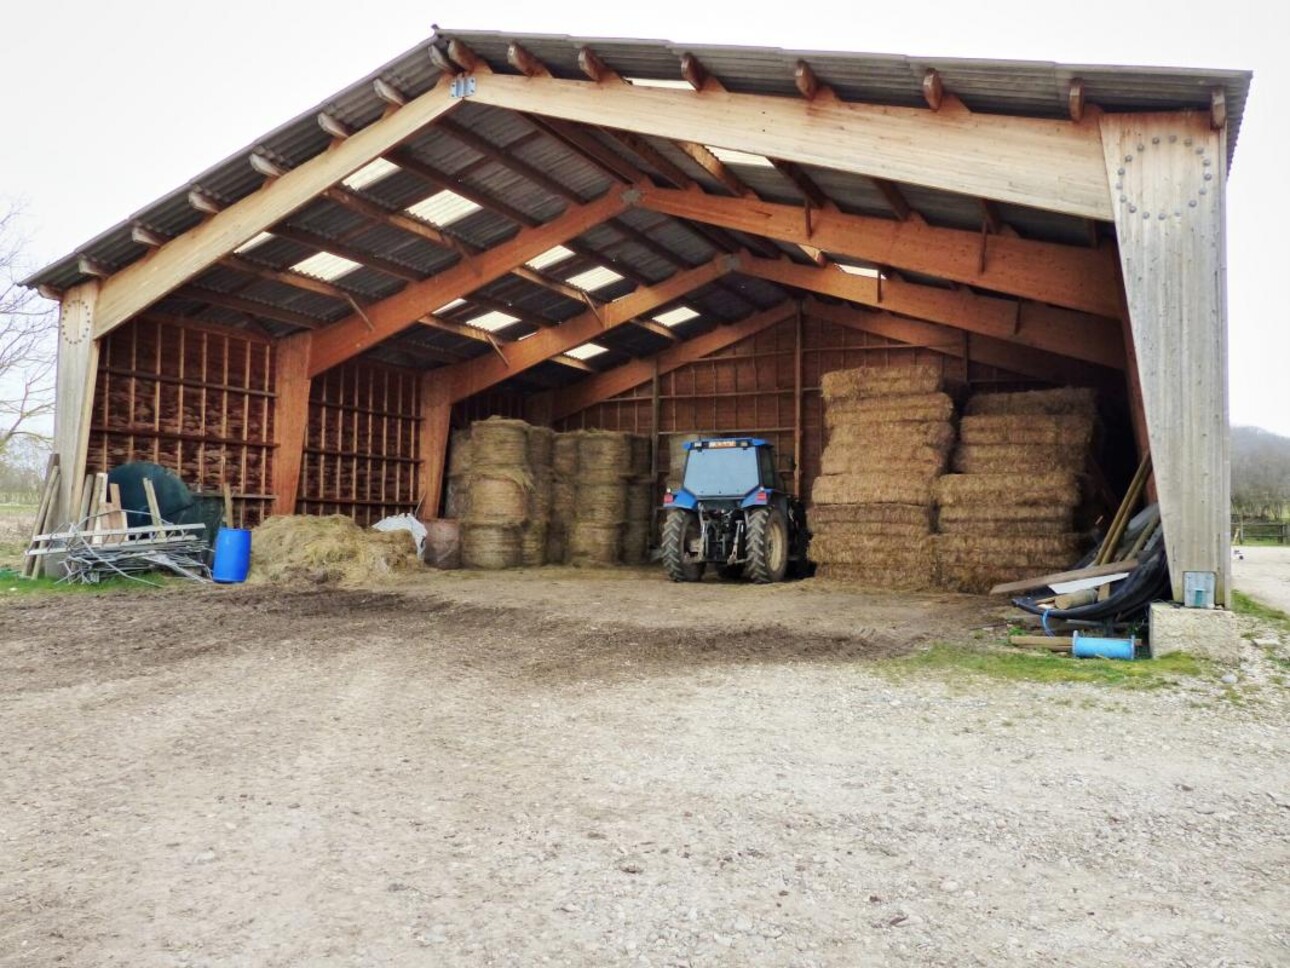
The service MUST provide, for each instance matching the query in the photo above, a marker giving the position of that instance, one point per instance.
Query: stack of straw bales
(640, 503)
(1008, 510)
(600, 497)
(890, 433)
(533, 540)
(457, 500)
(500, 490)
(564, 477)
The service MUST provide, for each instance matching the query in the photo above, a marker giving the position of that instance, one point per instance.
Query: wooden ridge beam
(142, 283)
(358, 332)
(1076, 278)
(620, 379)
(1049, 164)
(1081, 336)
(486, 371)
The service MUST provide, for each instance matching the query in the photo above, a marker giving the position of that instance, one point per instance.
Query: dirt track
(447, 771)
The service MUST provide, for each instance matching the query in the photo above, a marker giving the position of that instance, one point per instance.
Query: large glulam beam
(1076, 278)
(142, 283)
(1049, 164)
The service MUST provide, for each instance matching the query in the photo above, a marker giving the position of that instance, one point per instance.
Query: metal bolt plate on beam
(462, 87)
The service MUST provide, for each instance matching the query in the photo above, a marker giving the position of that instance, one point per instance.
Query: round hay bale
(642, 455)
(878, 515)
(1057, 489)
(1064, 432)
(491, 546)
(541, 444)
(326, 549)
(557, 543)
(459, 453)
(564, 455)
(604, 455)
(540, 494)
(1064, 400)
(886, 381)
(1015, 459)
(498, 442)
(457, 496)
(636, 543)
(601, 503)
(443, 543)
(499, 496)
(595, 544)
(917, 407)
(877, 488)
(533, 539)
(640, 502)
(564, 499)
(676, 455)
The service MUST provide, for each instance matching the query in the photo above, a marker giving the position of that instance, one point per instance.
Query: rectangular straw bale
(878, 488)
(1016, 458)
(1068, 432)
(1059, 522)
(936, 434)
(884, 410)
(911, 569)
(842, 544)
(978, 579)
(905, 515)
(1056, 489)
(865, 382)
(1064, 400)
(886, 455)
(1011, 551)
(1019, 514)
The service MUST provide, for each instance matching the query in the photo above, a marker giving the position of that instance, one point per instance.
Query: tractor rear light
(668, 497)
(762, 497)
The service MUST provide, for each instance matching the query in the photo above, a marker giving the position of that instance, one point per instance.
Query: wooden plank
(1170, 170)
(1083, 336)
(48, 494)
(620, 379)
(142, 283)
(1071, 276)
(1048, 164)
(290, 419)
(358, 332)
(1040, 581)
(78, 357)
(436, 422)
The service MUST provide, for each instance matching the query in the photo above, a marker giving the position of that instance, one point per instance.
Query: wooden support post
(797, 402)
(1170, 170)
(78, 359)
(655, 415)
(291, 418)
(436, 420)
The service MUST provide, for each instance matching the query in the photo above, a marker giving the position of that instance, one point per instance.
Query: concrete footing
(1210, 633)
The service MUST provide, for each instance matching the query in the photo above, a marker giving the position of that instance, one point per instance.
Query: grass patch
(1243, 604)
(1015, 665)
(12, 586)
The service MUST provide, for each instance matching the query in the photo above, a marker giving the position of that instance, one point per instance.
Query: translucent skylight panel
(549, 258)
(443, 208)
(865, 271)
(732, 157)
(663, 82)
(674, 317)
(493, 321)
(449, 307)
(594, 279)
(370, 174)
(586, 351)
(250, 244)
(326, 266)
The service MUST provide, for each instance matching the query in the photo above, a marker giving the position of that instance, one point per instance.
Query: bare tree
(28, 343)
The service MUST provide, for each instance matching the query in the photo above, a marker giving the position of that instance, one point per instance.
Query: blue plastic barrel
(232, 555)
(1096, 647)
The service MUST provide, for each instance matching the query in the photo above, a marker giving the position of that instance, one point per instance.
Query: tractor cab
(732, 512)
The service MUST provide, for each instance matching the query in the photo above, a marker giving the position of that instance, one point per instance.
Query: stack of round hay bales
(457, 499)
(890, 432)
(600, 499)
(533, 541)
(500, 487)
(564, 474)
(1008, 511)
(640, 502)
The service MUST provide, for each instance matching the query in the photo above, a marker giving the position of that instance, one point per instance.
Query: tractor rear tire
(679, 530)
(767, 546)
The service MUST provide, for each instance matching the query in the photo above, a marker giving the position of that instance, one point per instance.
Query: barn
(637, 236)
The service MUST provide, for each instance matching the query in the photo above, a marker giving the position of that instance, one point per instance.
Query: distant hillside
(1260, 473)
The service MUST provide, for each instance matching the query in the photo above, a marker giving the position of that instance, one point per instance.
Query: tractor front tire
(767, 546)
(679, 530)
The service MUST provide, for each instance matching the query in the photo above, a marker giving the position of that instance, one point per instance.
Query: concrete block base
(1210, 633)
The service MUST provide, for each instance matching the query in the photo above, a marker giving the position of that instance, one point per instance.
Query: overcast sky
(106, 106)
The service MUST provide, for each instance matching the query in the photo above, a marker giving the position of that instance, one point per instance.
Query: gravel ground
(1264, 573)
(545, 769)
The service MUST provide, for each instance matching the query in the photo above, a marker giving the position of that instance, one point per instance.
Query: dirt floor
(602, 768)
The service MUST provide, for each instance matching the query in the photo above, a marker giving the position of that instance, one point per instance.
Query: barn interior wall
(749, 388)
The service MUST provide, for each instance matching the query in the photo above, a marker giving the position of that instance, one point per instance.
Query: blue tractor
(732, 513)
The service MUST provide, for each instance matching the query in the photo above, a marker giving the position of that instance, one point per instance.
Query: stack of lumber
(499, 484)
(1008, 510)
(890, 434)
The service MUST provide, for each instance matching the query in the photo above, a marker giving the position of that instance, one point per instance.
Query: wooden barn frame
(633, 235)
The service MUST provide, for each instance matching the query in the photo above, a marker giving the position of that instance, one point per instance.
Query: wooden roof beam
(251, 307)
(475, 333)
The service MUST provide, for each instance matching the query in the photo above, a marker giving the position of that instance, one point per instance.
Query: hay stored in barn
(1016, 458)
(533, 543)
(1055, 489)
(1037, 521)
(456, 497)
(877, 515)
(976, 562)
(603, 456)
(459, 453)
(864, 382)
(937, 435)
(602, 503)
(878, 487)
(443, 544)
(541, 494)
(905, 565)
(642, 455)
(499, 442)
(920, 408)
(499, 496)
(564, 455)
(557, 543)
(888, 455)
(491, 546)
(1064, 400)
(329, 549)
(595, 544)
(1066, 431)
(541, 443)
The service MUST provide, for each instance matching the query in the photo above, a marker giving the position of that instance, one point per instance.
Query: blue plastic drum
(232, 555)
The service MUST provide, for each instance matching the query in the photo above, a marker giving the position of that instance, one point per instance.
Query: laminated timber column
(436, 417)
(1167, 173)
(290, 418)
(78, 358)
